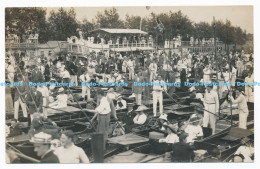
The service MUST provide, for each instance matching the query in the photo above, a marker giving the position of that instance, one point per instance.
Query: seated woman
(61, 101)
(245, 152)
(172, 137)
(193, 129)
(121, 103)
(139, 119)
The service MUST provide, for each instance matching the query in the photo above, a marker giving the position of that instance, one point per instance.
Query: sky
(238, 15)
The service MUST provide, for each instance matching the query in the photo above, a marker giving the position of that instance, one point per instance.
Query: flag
(160, 26)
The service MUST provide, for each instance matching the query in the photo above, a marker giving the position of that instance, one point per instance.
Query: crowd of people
(141, 67)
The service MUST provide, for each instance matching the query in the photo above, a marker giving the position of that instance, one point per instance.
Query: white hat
(141, 108)
(42, 138)
(61, 90)
(163, 116)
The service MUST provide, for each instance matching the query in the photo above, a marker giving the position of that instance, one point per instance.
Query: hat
(163, 117)
(41, 138)
(141, 108)
(60, 90)
(119, 96)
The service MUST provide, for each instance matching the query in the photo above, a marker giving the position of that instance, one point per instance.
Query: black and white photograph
(129, 84)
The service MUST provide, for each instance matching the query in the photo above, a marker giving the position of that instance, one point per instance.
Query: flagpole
(216, 59)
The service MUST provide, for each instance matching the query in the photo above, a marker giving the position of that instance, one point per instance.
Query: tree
(203, 30)
(21, 20)
(132, 22)
(63, 24)
(109, 19)
(87, 27)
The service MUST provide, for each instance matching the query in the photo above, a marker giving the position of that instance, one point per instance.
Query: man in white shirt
(11, 71)
(152, 70)
(158, 88)
(130, 66)
(85, 79)
(211, 106)
(69, 152)
(207, 73)
(102, 112)
(65, 75)
(249, 89)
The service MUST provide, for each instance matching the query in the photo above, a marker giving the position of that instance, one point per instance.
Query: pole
(216, 59)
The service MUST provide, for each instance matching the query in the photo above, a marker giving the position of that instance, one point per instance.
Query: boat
(225, 142)
(22, 144)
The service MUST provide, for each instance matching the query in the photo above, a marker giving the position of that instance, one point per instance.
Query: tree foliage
(21, 20)
(63, 23)
(109, 19)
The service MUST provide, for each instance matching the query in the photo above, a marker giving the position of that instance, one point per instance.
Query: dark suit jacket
(38, 100)
(50, 157)
(36, 77)
(21, 89)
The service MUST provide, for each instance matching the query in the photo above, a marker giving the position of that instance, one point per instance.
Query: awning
(121, 31)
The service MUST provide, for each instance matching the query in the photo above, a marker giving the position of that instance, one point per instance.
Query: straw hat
(60, 90)
(41, 138)
(141, 108)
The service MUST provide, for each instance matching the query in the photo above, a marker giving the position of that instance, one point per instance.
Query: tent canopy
(120, 31)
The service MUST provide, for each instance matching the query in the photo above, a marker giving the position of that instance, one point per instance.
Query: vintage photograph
(137, 84)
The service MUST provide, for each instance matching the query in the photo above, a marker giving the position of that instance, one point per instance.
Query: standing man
(130, 65)
(249, 89)
(36, 75)
(158, 88)
(207, 73)
(102, 112)
(152, 70)
(211, 106)
(242, 106)
(19, 98)
(85, 80)
(73, 69)
(42, 146)
(138, 90)
(34, 101)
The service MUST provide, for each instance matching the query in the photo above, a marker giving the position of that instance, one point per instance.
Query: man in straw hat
(242, 106)
(42, 145)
